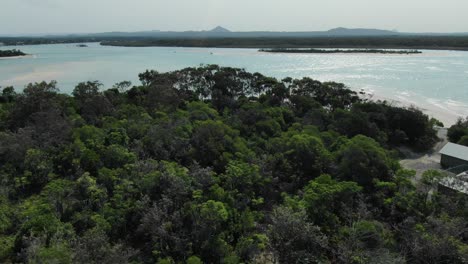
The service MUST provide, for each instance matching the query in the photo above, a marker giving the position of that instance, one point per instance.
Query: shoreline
(17, 57)
(343, 51)
(257, 47)
(445, 115)
(444, 109)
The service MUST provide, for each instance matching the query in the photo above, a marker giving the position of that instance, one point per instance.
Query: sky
(89, 16)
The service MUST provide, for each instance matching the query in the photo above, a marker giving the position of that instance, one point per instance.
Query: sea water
(435, 81)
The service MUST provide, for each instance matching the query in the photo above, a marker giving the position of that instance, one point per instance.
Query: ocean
(435, 81)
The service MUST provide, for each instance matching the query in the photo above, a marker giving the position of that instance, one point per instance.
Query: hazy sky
(74, 16)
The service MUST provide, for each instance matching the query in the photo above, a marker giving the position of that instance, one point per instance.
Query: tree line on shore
(379, 42)
(218, 165)
(346, 51)
(370, 42)
(11, 53)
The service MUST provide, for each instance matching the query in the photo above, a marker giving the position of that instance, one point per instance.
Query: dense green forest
(218, 165)
(11, 53)
(346, 51)
(369, 42)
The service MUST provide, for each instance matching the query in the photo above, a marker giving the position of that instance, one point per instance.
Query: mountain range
(221, 32)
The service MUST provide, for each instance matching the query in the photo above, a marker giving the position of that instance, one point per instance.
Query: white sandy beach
(17, 57)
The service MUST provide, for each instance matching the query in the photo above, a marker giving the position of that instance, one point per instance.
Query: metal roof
(455, 150)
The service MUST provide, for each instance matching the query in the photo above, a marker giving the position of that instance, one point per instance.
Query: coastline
(343, 51)
(447, 116)
(17, 57)
(446, 108)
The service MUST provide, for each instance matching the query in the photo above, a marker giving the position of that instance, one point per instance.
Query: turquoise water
(436, 81)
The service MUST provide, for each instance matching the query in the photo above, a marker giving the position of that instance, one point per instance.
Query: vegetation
(458, 133)
(327, 51)
(368, 42)
(391, 42)
(217, 165)
(11, 53)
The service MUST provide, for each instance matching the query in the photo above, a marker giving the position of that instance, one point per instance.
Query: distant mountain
(221, 32)
(220, 29)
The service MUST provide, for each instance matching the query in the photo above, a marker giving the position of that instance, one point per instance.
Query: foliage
(458, 133)
(218, 165)
(11, 53)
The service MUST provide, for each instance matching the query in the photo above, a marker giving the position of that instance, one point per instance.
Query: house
(453, 155)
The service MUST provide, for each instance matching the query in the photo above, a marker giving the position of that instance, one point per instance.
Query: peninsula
(11, 53)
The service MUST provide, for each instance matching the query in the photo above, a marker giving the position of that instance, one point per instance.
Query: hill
(219, 32)
(220, 29)
(222, 32)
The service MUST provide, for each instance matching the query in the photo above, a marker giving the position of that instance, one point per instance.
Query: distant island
(347, 51)
(82, 46)
(11, 53)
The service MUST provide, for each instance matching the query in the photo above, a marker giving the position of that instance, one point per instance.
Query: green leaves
(217, 165)
(213, 212)
(327, 200)
(214, 144)
(91, 136)
(362, 160)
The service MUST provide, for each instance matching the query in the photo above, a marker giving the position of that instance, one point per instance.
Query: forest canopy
(217, 165)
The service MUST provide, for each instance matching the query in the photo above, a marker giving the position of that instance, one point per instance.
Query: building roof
(455, 150)
(458, 183)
